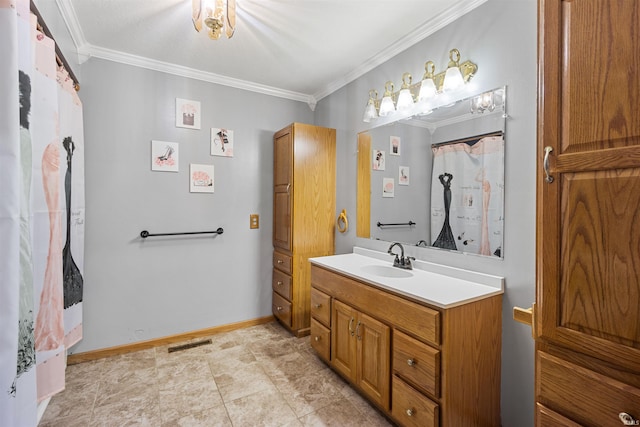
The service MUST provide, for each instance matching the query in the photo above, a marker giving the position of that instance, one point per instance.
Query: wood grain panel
(411, 408)
(321, 307)
(599, 93)
(423, 370)
(321, 340)
(582, 395)
(600, 286)
(363, 186)
(281, 283)
(281, 308)
(413, 318)
(373, 349)
(545, 417)
(473, 341)
(343, 343)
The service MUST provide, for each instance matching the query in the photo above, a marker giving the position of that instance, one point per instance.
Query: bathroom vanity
(423, 345)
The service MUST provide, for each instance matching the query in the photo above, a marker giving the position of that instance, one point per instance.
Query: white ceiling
(297, 49)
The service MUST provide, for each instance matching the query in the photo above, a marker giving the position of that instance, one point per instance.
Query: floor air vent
(189, 345)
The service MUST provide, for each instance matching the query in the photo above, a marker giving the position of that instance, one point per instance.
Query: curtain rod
(60, 59)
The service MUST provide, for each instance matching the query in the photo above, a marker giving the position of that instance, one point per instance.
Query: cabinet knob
(279, 283)
(317, 305)
(627, 419)
(279, 308)
(410, 412)
(317, 339)
(411, 362)
(279, 261)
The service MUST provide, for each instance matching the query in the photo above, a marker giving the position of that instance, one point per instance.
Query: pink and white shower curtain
(41, 216)
(467, 195)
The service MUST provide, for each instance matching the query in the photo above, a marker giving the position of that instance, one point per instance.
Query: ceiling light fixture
(217, 16)
(420, 98)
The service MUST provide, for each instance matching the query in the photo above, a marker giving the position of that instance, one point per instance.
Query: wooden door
(373, 358)
(282, 189)
(343, 343)
(588, 237)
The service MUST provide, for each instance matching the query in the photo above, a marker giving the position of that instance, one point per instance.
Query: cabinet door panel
(588, 227)
(343, 343)
(373, 347)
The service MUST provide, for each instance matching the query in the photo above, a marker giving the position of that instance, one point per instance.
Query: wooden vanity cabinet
(304, 182)
(421, 365)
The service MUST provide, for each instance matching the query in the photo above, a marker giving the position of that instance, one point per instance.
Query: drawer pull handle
(279, 283)
(628, 420)
(411, 362)
(358, 336)
(317, 305)
(279, 308)
(350, 323)
(279, 261)
(317, 339)
(410, 412)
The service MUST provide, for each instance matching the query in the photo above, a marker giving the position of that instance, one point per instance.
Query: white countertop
(434, 284)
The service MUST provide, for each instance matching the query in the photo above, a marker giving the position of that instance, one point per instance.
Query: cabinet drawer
(417, 363)
(582, 395)
(545, 417)
(282, 262)
(321, 306)
(281, 309)
(281, 283)
(411, 408)
(320, 339)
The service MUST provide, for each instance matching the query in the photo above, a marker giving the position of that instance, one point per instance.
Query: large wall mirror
(437, 181)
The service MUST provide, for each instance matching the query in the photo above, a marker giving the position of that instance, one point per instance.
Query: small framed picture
(378, 160)
(394, 145)
(221, 142)
(403, 175)
(164, 156)
(201, 178)
(188, 114)
(388, 187)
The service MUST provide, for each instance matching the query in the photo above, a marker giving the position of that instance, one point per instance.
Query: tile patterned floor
(258, 376)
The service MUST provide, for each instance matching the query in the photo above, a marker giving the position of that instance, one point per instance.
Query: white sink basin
(386, 271)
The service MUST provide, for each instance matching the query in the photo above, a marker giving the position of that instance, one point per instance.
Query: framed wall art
(164, 156)
(201, 178)
(188, 114)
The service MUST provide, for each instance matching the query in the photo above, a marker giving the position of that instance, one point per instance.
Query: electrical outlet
(254, 221)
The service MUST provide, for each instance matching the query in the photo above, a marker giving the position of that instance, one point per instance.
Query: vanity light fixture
(386, 105)
(370, 111)
(487, 102)
(423, 96)
(217, 16)
(405, 98)
(453, 79)
(428, 86)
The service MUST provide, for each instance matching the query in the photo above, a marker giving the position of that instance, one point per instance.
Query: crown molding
(85, 51)
(179, 70)
(438, 22)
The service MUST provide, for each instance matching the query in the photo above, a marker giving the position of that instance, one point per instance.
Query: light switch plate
(254, 221)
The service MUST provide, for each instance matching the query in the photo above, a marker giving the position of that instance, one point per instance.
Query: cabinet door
(282, 189)
(374, 350)
(588, 241)
(343, 343)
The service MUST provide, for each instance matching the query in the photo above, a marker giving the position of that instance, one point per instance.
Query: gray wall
(139, 289)
(500, 36)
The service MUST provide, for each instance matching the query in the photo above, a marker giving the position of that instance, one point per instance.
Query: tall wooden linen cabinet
(587, 314)
(304, 188)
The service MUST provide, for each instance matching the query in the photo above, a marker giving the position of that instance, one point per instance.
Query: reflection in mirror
(400, 196)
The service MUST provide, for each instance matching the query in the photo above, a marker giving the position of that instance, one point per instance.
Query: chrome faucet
(400, 261)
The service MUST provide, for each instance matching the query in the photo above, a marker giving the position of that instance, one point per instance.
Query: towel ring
(343, 222)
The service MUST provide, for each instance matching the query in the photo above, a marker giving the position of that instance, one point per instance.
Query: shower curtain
(41, 216)
(467, 195)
